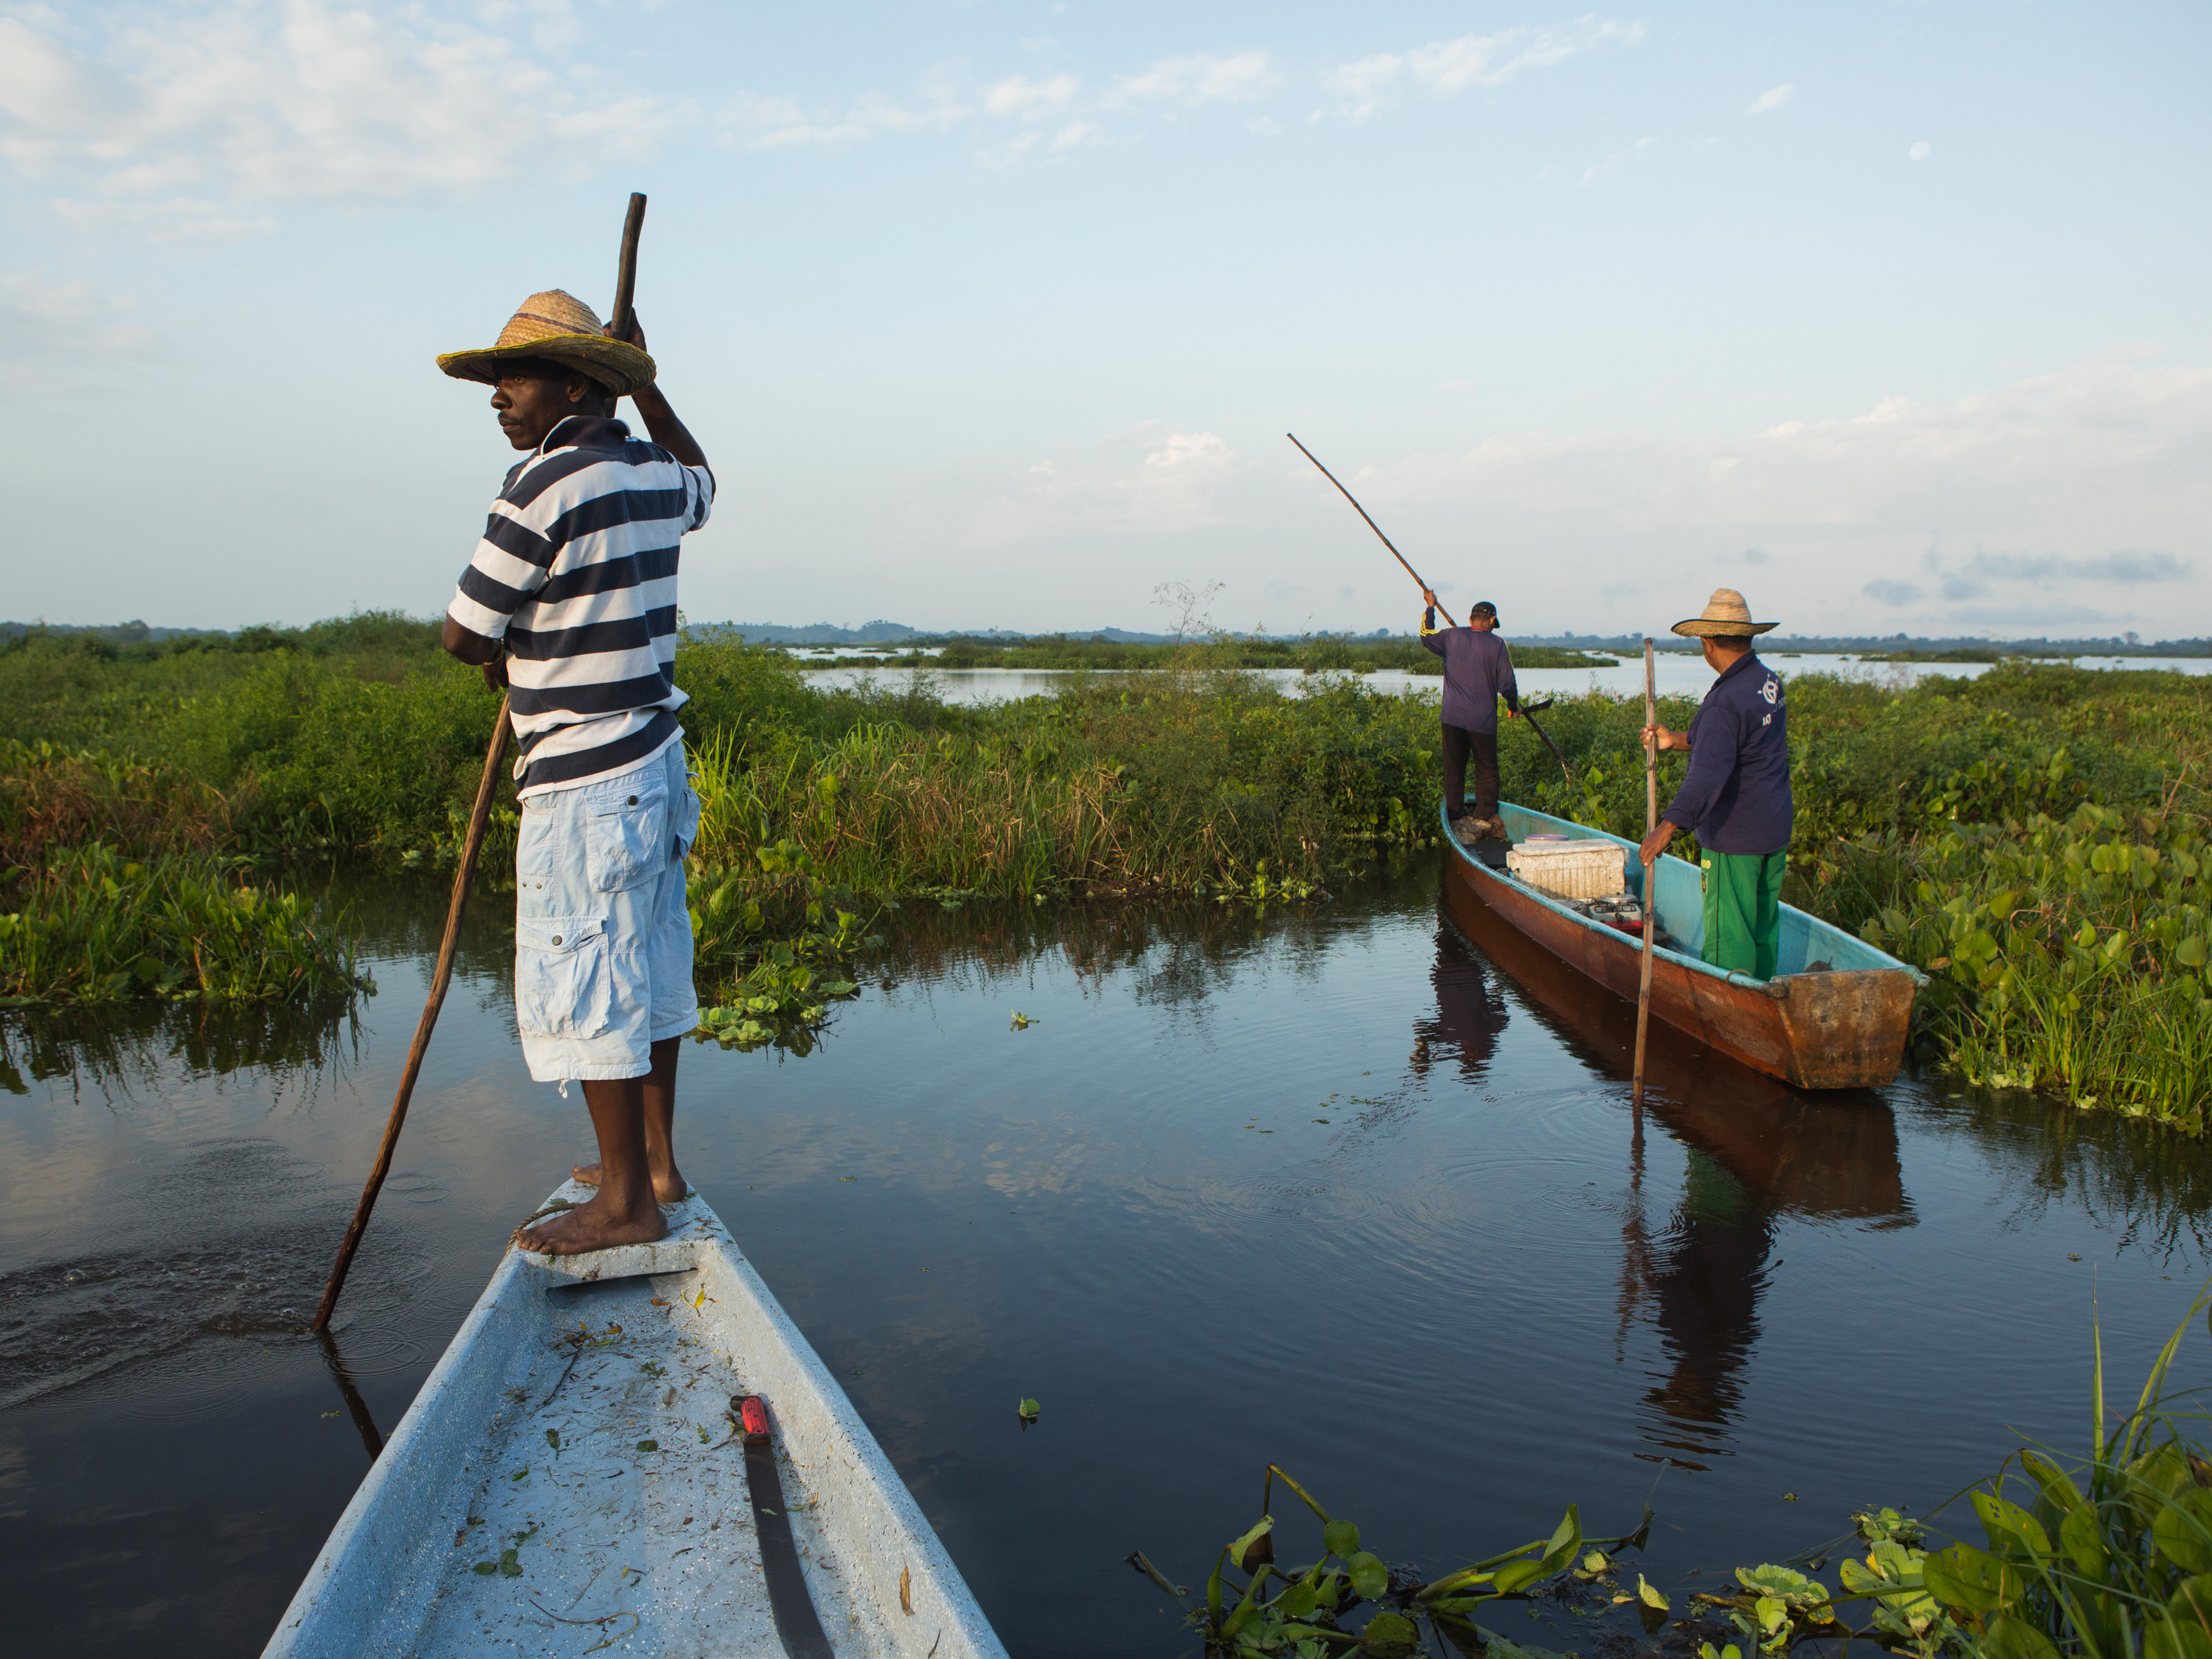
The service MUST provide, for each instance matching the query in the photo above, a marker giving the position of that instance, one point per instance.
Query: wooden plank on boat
(569, 1472)
(1836, 1016)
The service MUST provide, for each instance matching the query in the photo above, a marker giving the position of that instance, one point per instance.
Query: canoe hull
(605, 1470)
(1828, 1030)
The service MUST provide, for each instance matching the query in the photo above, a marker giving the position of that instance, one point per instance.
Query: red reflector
(754, 1411)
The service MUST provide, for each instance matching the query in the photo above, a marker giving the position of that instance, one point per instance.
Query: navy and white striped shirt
(577, 572)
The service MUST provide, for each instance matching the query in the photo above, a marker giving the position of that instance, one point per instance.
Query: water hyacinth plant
(774, 941)
(2109, 1557)
(1351, 1602)
(2106, 1555)
(91, 926)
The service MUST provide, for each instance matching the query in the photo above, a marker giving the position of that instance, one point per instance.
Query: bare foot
(590, 1227)
(666, 1189)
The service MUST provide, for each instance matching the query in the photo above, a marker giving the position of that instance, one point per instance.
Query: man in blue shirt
(1736, 796)
(1478, 671)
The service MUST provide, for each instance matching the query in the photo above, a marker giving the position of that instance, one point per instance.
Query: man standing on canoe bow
(1478, 671)
(570, 603)
(1735, 796)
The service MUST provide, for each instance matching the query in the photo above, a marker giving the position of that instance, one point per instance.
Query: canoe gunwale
(381, 1579)
(1777, 987)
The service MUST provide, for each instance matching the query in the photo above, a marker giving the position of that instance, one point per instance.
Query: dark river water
(1341, 1190)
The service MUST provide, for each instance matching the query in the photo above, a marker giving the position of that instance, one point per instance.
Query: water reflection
(1470, 1016)
(372, 1441)
(1144, 1198)
(1756, 1150)
(114, 1051)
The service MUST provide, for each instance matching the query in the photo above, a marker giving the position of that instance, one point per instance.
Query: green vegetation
(1303, 1611)
(2033, 837)
(86, 925)
(1313, 654)
(2110, 1556)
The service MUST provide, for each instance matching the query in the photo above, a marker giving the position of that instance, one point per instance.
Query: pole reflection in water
(1756, 1151)
(356, 1408)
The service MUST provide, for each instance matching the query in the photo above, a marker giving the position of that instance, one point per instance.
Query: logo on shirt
(1771, 690)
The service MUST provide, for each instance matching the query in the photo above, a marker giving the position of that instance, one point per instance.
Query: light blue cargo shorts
(602, 930)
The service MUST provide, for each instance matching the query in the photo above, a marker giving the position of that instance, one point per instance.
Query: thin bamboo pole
(477, 818)
(1371, 525)
(1650, 872)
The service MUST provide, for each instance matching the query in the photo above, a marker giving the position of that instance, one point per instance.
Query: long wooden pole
(626, 267)
(1651, 870)
(477, 818)
(1371, 525)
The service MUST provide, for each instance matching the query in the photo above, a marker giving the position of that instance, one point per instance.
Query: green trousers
(1743, 910)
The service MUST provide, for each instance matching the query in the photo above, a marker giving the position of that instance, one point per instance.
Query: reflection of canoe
(1841, 1026)
(1830, 1156)
(569, 1474)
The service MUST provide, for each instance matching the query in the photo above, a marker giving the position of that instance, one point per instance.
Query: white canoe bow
(568, 1476)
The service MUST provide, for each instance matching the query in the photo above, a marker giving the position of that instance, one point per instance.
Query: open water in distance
(1338, 1188)
(1678, 673)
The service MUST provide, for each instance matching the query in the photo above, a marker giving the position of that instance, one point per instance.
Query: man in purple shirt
(1735, 796)
(1478, 671)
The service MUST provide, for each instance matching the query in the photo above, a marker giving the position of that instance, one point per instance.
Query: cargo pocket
(535, 842)
(562, 984)
(627, 838)
(687, 822)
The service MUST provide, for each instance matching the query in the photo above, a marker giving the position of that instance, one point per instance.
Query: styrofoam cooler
(1570, 869)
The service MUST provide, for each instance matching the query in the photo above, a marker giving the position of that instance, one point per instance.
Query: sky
(1896, 316)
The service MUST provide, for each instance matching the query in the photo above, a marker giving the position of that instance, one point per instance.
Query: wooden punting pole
(1651, 868)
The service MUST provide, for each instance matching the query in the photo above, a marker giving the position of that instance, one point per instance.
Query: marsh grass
(1975, 828)
(90, 926)
(53, 797)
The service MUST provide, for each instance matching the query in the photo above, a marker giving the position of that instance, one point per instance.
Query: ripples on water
(1346, 1189)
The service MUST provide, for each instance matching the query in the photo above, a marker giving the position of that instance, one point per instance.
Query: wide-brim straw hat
(1726, 617)
(560, 328)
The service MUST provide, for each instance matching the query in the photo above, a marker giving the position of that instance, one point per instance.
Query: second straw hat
(1726, 616)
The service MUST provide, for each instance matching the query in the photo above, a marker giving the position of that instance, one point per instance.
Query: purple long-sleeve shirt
(1735, 796)
(1478, 671)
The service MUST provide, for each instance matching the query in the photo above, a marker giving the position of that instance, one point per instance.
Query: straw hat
(558, 326)
(1726, 617)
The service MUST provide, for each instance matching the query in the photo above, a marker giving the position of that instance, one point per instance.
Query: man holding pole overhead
(570, 601)
(1736, 796)
(1478, 671)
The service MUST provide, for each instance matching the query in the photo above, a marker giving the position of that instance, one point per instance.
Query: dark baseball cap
(1483, 608)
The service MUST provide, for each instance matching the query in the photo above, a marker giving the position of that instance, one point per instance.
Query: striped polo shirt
(577, 572)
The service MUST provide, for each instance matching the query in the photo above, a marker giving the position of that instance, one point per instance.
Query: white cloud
(1151, 478)
(1199, 79)
(1019, 96)
(1445, 68)
(780, 123)
(2100, 474)
(65, 335)
(299, 99)
(1920, 151)
(1772, 100)
(1614, 162)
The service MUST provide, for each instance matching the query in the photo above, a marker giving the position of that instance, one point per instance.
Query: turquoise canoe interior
(1681, 907)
